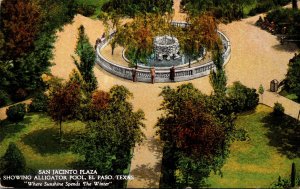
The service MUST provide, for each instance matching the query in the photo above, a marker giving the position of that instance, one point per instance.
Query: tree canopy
(292, 80)
(218, 77)
(192, 134)
(86, 64)
(12, 163)
(132, 7)
(20, 23)
(137, 36)
(64, 102)
(27, 34)
(242, 97)
(112, 131)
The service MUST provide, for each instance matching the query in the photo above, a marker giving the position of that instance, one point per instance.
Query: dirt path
(178, 16)
(257, 58)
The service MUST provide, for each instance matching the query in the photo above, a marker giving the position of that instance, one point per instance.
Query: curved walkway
(257, 58)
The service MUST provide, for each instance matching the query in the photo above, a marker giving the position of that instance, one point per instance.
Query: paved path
(291, 108)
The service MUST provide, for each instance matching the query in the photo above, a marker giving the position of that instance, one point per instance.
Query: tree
(192, 135)
(292, 80)
(218, 77)
(195, 7)
(6, 74)
(196, 132)
(139, 40)
(294, 4)
(115, 24)
(20, 22)
(201, 32)
(12, 163)
(132, 8)
(2, 45)
(98, 105)
(27, 34)
(129, 122)
(278, 110)
(293, 175)
(86, 54)
(111, 135)
(64, 102)
(100, 100)
(242, 97)
(56, 13)
(227, 10)
(39, 103)
(4, 98)
(16, 112)
(261, 91)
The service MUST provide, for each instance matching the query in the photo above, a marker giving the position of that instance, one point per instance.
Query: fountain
(166, 46)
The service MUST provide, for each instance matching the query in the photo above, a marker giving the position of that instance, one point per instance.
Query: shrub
(242, 97)
(241, 135)
(86, 10)
(292, 79)
(288, 18)
(16, 113)
(13, 163)
(262, 7)
(100, 100)
(39, 103)
(20, 95)
(281, 183)
(281, 2)
(278, 109)
(4, 99)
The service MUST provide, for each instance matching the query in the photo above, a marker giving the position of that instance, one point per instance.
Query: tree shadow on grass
(284, 134)
(9, 129)
(245, 113)
(47, 141)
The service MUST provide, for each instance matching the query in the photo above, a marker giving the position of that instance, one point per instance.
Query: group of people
(266, 25)
(152, 73)
(99, 40)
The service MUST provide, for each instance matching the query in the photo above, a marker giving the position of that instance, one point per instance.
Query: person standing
(172, 73)
(134, 74)
(152, 73)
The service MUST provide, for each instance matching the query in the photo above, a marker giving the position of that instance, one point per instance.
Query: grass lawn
(290, 96)
(37, 137)
(269, 152)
